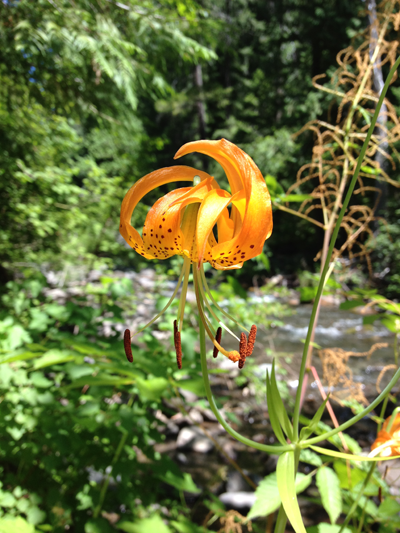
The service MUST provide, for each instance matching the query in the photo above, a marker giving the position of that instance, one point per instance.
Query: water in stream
(336, 329)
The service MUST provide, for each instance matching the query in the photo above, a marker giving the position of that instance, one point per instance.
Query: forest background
(94, 95)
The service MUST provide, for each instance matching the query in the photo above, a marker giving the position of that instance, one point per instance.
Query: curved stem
(281, 521)
(353, 182)
(357, 417)
(277, 450)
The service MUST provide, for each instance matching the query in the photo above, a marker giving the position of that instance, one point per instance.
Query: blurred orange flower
(387, 443)
(183, 222)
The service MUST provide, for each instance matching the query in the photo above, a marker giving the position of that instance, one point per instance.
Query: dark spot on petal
(251, 245)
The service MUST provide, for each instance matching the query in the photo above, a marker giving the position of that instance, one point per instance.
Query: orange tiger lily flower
(182, 222)
(387, 443)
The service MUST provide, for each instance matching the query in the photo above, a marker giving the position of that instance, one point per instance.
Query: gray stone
(238, 499)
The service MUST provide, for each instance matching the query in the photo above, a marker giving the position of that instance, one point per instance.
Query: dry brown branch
(338, 375)
(232, 523)
(337, 145)
(381, 374)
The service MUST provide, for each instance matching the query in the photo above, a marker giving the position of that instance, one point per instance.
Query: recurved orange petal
(253, 214)
(162, 235)
(141, 188)
(210, 210)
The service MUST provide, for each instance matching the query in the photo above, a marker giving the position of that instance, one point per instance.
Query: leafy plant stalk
(248, 442)
(331, 247)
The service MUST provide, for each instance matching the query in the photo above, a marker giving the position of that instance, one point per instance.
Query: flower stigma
(183, 222)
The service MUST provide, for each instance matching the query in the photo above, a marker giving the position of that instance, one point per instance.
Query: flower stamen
(242, 350)
(251, 340)
(178, 345)
(127, 345)
(218, 339)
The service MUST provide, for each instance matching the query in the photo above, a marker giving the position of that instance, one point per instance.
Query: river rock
(238, 500)
(193, 438)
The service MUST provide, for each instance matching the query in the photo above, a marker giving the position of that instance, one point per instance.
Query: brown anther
(218, 339)
(251, 340)
(178, 345)
(242, 350)
(127, 345)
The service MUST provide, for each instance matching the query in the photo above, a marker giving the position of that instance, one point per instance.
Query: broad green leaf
(268, 499)
(388, 508)
(151, 389)
(351, 304)
(365, 503)
(329, 487)
(309, 457)
(183, 481)
(392, 323)
(348, 478)
(195, 385)
(146, 525)
(273, 417)
(285, 473)
(17, 524)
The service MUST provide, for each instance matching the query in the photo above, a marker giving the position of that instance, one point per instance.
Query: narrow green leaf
(329, 487)
(273, 417)
(55, 357)
(332, 453)
(279, 405)
(285, 477)
(308, 430)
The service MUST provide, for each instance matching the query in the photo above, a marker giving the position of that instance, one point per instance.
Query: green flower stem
(355, 418)
(277, 450)
(281, 521)
(353, 182)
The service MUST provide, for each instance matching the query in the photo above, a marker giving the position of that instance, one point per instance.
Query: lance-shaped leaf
(340, 455)
(279, 405)
(272, 401)
(285, 472)
(308, 430)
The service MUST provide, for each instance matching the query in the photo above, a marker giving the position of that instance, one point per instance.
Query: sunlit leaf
(329, 487)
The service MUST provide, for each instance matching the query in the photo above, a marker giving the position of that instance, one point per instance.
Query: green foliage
(268, 498)
(329, 487)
